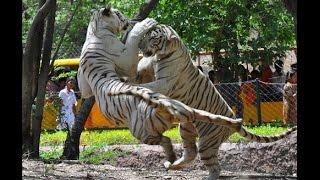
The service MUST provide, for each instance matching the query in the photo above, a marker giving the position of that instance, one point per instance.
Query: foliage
(238, 26)
(207, 25)
(75, 36)
(64, 75)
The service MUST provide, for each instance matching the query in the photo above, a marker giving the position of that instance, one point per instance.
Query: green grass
(123, 136)
(89, 138)
(95, 141)
(97, 154)
(52, 138)
(264, 130)
(91, 155)
(51, 155)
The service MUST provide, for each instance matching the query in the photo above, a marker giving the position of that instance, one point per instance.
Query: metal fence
(254, 101)
(259, 102)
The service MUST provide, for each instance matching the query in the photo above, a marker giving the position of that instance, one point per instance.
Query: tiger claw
(167, 165)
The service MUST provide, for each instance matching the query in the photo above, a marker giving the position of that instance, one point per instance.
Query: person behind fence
(211, 76)
(266, 73)
(247, 90)
(290, 98)
(278, 66)
(248, 96)
(69, 101)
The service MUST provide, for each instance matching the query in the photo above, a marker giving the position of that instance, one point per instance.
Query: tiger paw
(144, 26)
(167, 165)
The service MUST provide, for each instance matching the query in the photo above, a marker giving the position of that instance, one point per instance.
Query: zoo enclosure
(254, 101)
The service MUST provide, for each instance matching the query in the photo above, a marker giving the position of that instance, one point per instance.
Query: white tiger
(178, 78)
(126, 55)
(146, 113)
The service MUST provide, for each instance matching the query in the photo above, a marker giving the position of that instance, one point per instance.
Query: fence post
(258, 100)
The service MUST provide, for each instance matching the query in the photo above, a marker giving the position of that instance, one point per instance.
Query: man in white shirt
(69, 102)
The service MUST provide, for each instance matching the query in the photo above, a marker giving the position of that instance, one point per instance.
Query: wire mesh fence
(258, 102)
(254, 101)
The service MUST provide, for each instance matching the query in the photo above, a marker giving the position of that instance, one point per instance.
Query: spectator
(211, 76)
(278, 75)
(68, 100)
(247, 95)
(290, 98)
(278, 65)
(266, 73)
(241, 73)
(254, 74)
(228, 75)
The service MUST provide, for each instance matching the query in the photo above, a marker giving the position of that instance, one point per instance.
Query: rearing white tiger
(146, 113)
(178, 78)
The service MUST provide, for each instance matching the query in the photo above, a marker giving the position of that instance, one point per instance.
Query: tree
(35, 64)
(240, 27)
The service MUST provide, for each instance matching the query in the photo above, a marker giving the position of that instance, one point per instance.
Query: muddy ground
(276, 160)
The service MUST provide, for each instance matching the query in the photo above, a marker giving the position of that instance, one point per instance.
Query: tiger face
(109, 18)
(161, 41)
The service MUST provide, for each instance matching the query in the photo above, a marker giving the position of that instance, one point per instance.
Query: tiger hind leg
(165, 143)
(188, 134)
(209, 142)
(209, 156)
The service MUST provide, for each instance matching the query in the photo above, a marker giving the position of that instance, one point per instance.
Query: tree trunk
(143, 13)
(43, 77)
(29, 57)
(71, 145)
(145, 10)
(37, 55)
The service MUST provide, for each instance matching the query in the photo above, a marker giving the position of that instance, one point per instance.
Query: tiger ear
(107, 11)
(93, 21)
(172, 37)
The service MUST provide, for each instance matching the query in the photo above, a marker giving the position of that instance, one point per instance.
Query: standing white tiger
(146, 113)
(178, 78)
(126, 55)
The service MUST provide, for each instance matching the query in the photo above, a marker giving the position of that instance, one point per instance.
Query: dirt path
(276, 160)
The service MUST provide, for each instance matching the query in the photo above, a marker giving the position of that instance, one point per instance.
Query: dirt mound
(277, 158)
(239, 161)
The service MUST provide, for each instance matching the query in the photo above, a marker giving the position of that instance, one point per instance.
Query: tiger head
(161, 41)
(108, 18)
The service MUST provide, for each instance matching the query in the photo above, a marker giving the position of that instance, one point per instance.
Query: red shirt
(266, 74)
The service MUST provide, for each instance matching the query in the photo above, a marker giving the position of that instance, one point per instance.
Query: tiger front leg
(128, 61)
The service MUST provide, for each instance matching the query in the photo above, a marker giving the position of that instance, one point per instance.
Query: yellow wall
(270, 111)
